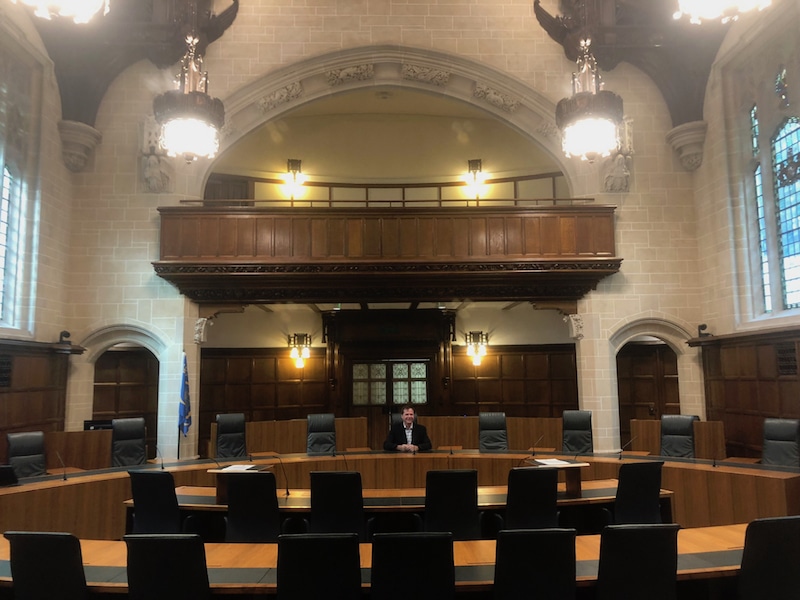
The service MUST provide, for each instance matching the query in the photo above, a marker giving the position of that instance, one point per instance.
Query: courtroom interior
(239, 237)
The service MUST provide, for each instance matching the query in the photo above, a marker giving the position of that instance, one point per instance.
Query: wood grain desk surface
(704, 552)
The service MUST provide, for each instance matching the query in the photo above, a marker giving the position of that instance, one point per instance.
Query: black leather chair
(770, 560)
(253, 514)
(321, 438)
(532, 499)
(26, 453)
(638, 498)
(677, 435)
(576, 427)
(155, 504)
(451, 503)
(781, 442)
(231, 441)
(412, 565)
(128, 446)
(167, 567)
(492, 433)
(319, 565)
(534, 563)
(337, 504)
(638, 561)
(46, 565)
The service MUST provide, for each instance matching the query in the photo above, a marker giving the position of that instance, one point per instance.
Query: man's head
(408, 415)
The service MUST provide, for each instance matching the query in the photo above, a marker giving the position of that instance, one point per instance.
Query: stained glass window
(785, 162)
(390, 382)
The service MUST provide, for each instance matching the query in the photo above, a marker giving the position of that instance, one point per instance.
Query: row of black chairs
(337, 506)
(635, 561)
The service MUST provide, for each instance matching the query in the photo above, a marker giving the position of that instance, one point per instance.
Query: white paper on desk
(238, 467)
(551, 461)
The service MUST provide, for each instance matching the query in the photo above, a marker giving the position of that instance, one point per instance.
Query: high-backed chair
(26, 453)
(781, 442)
(128, 446)
(319, 565)
(492, 433)
(576, 428)
(253, 514)
(638, 498)
(231, 442)
(167, 567)
(638, 561)
(534, 563)
(770, 559)
(337, 504)
(677, 435)
(451, 503)
(60, 578)
(532, 499)
(155, 504)
(321, 438)
(412, 565)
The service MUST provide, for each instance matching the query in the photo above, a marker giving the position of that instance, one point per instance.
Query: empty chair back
(770, 560)
(534, 563)
(412, 565)
(231, 442)
(321, 437)
(781, 442)
(319, 565)
(337, 504)
(155, 504)
(492, 433)
(576, 427)
(638, 498)
(451, 503)
(638, 561)
(532, 500)
(167, 567)
(46, 566)
(26, 453)
(128, 446)
(252, 508)
(677, 435)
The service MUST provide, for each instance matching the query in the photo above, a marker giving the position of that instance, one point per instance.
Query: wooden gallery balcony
(231, 254)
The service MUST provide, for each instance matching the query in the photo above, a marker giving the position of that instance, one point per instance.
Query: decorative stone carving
(495, 97)
(687, 140)
(155, 174)
(78, 140)
(425, 74)
(548, 129)
(575, 324)
(200, 329)
(617, 175)
(280, 96)
(353, 73)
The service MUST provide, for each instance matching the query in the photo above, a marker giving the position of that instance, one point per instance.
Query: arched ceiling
(385, 133)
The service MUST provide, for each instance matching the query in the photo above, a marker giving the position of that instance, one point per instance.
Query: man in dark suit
(407, 436)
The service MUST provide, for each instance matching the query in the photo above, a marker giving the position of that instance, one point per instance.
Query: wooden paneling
(556, 253)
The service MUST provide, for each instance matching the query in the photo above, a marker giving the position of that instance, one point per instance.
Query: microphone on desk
(625, 445)
(63, 466)
(344, 458)
(158, 453)
(533, 448)
(219, 466)
(283, 470)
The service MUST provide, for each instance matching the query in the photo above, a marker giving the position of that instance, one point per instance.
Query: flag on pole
(185, 408)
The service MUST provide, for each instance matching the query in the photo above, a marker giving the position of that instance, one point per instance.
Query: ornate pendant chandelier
(716, 10)
(80, 11)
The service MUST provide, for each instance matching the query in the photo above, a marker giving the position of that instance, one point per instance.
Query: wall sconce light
(300, 343)
(190, 119)
(476, 346)
(80, 11)
(294, 178)
(589, 120)
(475, 178)
(718, 10)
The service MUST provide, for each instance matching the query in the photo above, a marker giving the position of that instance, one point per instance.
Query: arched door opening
(126, 385)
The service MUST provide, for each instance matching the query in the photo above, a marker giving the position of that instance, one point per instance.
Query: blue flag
(185, 407)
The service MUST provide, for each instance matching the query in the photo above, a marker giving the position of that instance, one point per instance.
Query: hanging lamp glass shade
(717, 10)
(80, 11)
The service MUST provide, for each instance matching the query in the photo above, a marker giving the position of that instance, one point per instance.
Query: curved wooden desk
(91, 504)
(236, 569)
